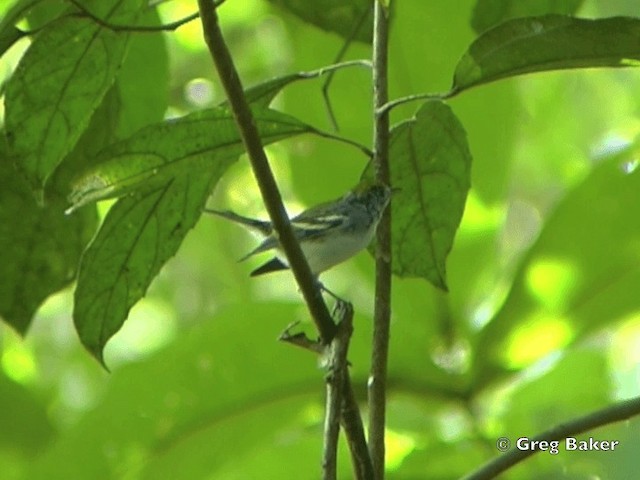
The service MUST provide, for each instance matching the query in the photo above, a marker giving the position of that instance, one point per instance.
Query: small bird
(329, 233)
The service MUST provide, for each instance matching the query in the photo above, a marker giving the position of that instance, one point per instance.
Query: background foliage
(540, 323)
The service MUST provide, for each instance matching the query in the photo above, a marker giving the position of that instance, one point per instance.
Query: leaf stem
(382, 309)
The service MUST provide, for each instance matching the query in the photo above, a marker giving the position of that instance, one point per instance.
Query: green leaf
(155, 154)
(143, 81)
(25, 424)
(57, 86)
(9, 36)
(213, 402)
(534, 406)
(488, 13)
(573, 280)
(352, 19)
(39, 247)
(171, 168)
(550, 42)
(140, 233)
(430, 165)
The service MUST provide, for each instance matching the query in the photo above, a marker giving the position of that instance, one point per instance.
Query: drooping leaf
(157, 153)
(430, 165)
(351, 19)
(488, 13)
(39, 247)
(139, 234)
(57, 86)
(580, 275)
(550, 42)
(171, 169)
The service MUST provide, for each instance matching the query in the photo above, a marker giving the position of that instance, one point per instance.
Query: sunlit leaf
(352, 19)
(430, 165)
(550, 42)
(157, 153)
(57, 86)
(488, 13)
(140, 233)
(171, 169)
(9, 34)
(573, 280)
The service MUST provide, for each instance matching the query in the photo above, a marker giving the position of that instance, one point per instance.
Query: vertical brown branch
(382, 309)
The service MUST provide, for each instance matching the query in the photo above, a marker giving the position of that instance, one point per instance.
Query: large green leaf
(40, 246)
(140, 233)
(550, 42)
(170, 168)
(143, 80)
(351, 19)
(208, 404)
(581, 273)
(488, 13)
(58, 85)
(430, 165)
(157, 153)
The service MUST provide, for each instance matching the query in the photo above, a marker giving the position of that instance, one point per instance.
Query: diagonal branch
(264, 176)
(611, 414)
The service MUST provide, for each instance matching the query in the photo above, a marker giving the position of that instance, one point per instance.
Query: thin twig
(168, 27)
(387, 107)
(345, 46)
(337, 365)
(611, 414)
(350, 418)
(264, 176)
(382, 309)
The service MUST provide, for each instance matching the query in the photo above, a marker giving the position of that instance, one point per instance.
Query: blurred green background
(541, 323)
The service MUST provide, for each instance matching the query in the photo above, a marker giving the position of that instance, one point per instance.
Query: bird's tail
(261, 226)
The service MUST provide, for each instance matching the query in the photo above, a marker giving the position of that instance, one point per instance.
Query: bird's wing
(316, 221)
